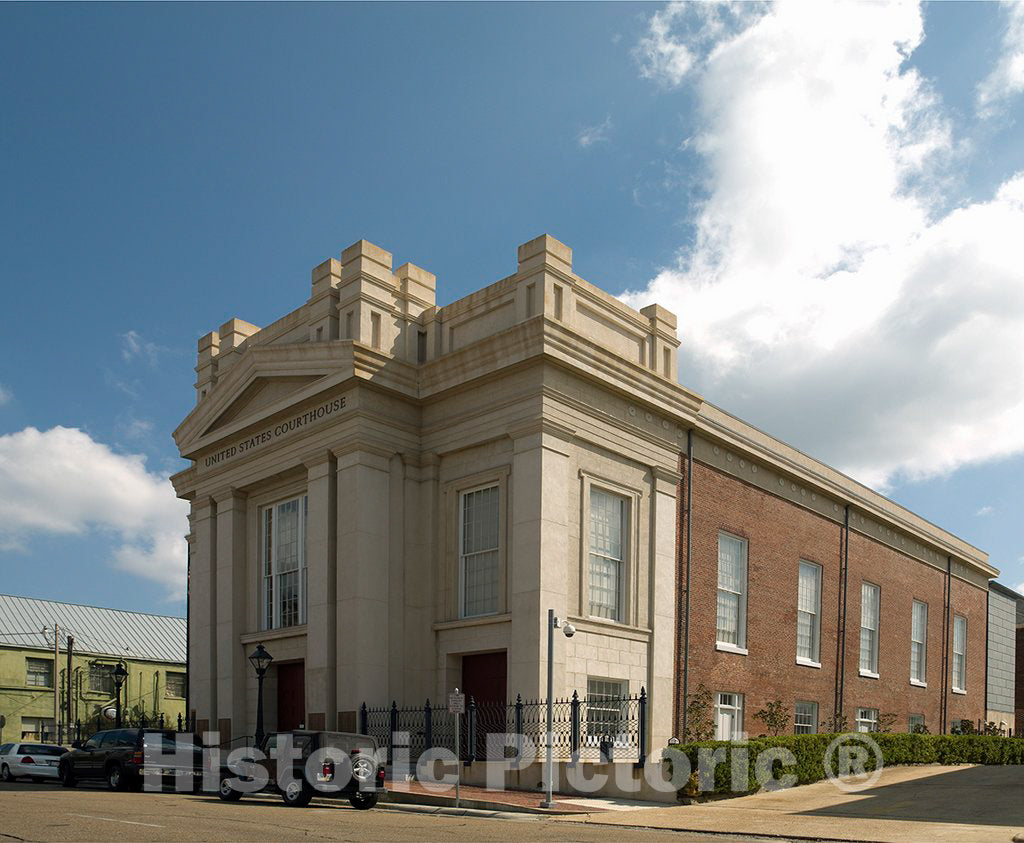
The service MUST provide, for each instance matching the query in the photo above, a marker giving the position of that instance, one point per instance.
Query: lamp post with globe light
(260, 660)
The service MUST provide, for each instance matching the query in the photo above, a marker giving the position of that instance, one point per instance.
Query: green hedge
(809, 751)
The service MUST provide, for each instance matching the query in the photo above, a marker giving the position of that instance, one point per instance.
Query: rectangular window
(478, 551)
(666, 357)
(175, 685)
(37, 728)
(869, 599)
(808, 613)
(915, 722)
(918, 643)
(867, 719)
(606, 708)
(607, 529)
(805, 721)
(348, 326)
(959, 653)
(39, 673)
(101, 679)
(728, 717)
(284, 563)
(558, 302)
(421, 347)
(732, 591)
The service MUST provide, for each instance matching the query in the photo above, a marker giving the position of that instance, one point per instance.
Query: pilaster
(231, 601)
(321, 592)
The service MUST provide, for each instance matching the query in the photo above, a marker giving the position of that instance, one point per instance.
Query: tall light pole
(260, 660)
(120, 674)
(569, 631)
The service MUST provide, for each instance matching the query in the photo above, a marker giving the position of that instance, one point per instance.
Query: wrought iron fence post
(471, 738)
(393, 727)
(78, 729)
(142, 720)
(642, 726)
(364, 719)
(574, 726)
(428, 727)
(99, 725)
(180, 724)
(519, 726)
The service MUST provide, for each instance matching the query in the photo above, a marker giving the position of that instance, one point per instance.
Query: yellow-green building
(35, 693)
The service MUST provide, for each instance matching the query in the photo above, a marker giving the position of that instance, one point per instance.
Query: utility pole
(67, 699)
(56, 673)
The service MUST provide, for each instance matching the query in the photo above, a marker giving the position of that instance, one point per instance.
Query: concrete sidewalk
(968, 804)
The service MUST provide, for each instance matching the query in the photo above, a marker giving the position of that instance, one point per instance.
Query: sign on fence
(456, 703)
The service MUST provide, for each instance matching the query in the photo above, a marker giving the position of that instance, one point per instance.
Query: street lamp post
(120, 674)
(260, 660)
(569, 631)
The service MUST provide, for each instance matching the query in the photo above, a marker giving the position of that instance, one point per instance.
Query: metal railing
(583, 728)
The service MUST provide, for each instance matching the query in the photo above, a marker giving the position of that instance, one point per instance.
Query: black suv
(346, 764)
(117, 756)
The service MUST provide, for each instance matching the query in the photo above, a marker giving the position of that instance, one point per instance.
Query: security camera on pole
(568, 630)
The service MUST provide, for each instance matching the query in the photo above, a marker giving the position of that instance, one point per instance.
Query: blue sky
(830, 215)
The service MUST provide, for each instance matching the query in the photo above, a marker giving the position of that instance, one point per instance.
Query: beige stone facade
(382, 414)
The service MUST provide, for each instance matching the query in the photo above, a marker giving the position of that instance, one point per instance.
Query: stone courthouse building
(390, 495)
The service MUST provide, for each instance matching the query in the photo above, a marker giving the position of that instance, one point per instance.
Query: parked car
(350, 768)
(118, 757)
(37, 761)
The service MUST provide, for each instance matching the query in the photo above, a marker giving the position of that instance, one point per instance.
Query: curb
(445, 811)
(437, 801)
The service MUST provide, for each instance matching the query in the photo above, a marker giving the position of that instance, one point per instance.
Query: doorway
(291, 695)
(485, 679)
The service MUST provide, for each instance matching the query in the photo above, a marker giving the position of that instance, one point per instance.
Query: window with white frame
(959, 653)
(867, 719)
(101, 679)
(918, 643)
(732, 591)
(728, 717)
(805, 720)
(808, 612)
(284, 563)
(37, 728)
(869, 600)
(478, 551)
(915, 721)
(175, 685)
(607, 557)
(606, 709)
(39, 673)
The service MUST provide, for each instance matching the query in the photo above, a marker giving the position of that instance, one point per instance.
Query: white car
(37, 761)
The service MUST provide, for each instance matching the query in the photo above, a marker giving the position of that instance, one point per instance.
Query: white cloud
(61, 481)
(983, 511)
(134, 346)
(595, 134)
(5, 395)
(1007, 77)
(827, 296)
(1020, 587)
(133, 428)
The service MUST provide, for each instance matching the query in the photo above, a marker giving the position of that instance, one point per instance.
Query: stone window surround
(452, 491)
(631, 546)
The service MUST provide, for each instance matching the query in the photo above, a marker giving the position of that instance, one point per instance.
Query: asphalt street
(48, 812)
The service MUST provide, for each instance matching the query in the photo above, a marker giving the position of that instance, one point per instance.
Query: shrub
(809, 752)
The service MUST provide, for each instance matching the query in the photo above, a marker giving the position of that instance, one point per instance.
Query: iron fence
(83, 730)
(589, 728)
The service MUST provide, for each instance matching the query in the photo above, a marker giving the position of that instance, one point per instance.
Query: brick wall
(779, 535)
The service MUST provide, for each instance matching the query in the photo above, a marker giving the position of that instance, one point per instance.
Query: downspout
(988, 597)
(689, 545)
(844, 564)
(947, 621)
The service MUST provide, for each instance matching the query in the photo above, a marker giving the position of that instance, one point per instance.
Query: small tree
(700, 725)
(774, 717)
(835, 723)
(885, 722)
(920, 729)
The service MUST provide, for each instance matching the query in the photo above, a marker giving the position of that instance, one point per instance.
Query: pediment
(261, 393)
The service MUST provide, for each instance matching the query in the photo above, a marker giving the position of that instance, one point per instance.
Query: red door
(291, 695)
(485, 679)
